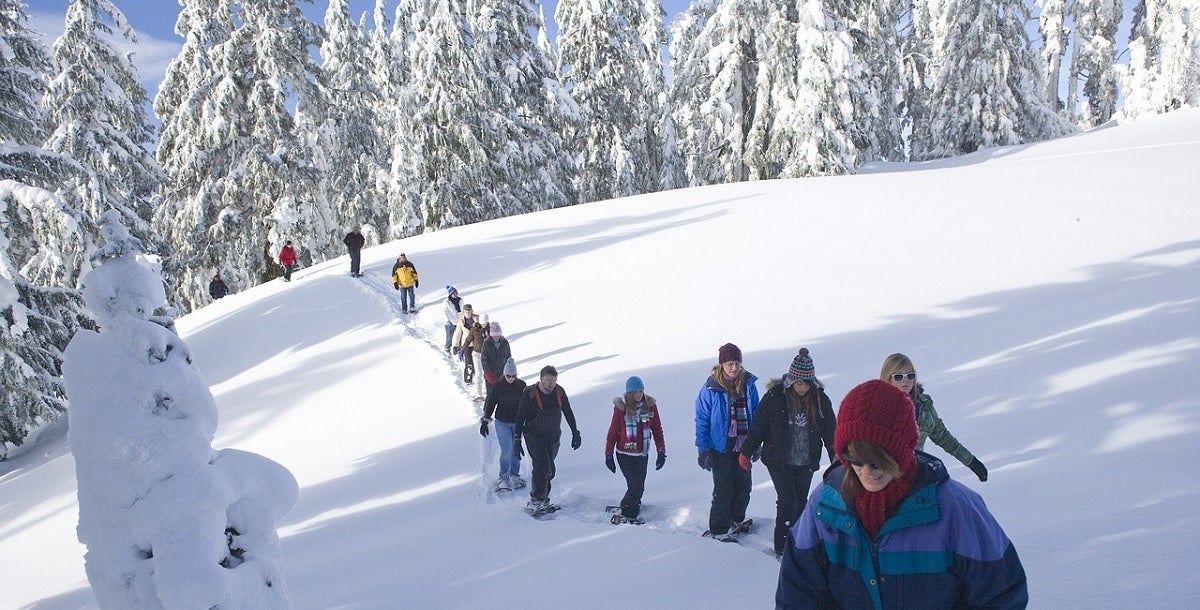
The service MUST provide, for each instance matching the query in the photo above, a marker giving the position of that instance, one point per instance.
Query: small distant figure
(354, 243)
(540, 413)
(468, 341)
(287, 258)
(634, 425)
(494, 353)
(217, 288)
(503, 399)
(405, 279)
(453, 309)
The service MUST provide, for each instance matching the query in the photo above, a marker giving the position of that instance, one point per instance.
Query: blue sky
(155, 23)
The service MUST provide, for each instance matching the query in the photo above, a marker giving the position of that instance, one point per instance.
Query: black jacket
(354, 240)
(217, 288)
(503, 398)
(770, 428)
(542, 414)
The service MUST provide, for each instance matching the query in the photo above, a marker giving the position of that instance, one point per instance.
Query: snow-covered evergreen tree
(610, 58)
(347, 142)
(387, 47)
(714, 59)
(240, 182)
(1164, 57)
(96, 108)
(167, 521)
(522, 109)
(988, 88)
(1093, 58)
(447, 169)
(1052, 27)
(41, 246)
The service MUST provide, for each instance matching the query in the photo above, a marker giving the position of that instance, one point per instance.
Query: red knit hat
(728, 353)
(877, 412)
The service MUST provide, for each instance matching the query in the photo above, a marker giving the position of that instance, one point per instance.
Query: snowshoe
(503, 485)
(538, 509)
(741, 528)
(618, 519)
(516, 482)
(726, 537)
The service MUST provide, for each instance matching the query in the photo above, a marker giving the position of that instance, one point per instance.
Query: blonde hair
(894, 364)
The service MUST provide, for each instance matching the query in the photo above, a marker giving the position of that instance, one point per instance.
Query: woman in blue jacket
(888, 528)
(724, 411)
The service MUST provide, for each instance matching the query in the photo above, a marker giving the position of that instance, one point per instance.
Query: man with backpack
(540, 413)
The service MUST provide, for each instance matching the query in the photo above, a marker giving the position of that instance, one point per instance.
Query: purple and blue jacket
(942, 549)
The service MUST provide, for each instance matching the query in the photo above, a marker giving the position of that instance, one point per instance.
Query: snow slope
(1048, 294)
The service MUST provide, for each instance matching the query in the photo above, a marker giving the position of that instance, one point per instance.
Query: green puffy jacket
(929, 425)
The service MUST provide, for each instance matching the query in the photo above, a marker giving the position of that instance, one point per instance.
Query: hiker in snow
(898, 370)
(793, 420)
(503, 398)
(724, 411)
(467, 341)
(634, 423)
(932, 542)
(354, 243)
(540, 413)
(452, 309)
(405, 279)
(494, 353)
(287, 258)
(217, 288)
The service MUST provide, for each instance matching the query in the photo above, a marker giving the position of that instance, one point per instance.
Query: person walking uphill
(793, 420)
(503, 399)
(724, 412)
(452, 309)
(540, 413)
(899, 371)
(405, 279)
(287, 258)
(217, 288)
(354, 244)
(888, 528)
(634, 423)
(493, 354)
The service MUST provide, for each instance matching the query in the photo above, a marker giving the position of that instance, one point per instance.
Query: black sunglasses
(898, 377)
(857, 464)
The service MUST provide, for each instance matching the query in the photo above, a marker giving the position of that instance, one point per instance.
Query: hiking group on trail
(885, 526)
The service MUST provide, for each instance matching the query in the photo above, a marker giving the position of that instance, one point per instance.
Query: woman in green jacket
(899, 371)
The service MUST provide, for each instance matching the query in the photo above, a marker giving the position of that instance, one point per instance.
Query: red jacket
(287, 256)
(619, 436)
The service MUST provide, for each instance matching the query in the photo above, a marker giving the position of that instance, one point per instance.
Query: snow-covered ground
(1048, 294)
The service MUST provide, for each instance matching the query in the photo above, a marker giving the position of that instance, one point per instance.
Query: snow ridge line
(578, 507)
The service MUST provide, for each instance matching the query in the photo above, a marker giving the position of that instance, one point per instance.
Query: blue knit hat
(450, 290)
(633, 384)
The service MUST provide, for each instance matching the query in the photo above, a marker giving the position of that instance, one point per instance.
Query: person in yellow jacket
(405, 279)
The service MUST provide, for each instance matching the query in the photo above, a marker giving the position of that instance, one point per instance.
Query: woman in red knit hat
(888, 528)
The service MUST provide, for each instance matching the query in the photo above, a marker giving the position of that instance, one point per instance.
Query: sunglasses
(857, 464)
(898, 377)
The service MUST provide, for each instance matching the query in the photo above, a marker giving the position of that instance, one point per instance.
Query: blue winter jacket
(712, 412)
(942, 549)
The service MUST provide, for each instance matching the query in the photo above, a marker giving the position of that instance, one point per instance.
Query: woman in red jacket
(634, 423)
(287, 258)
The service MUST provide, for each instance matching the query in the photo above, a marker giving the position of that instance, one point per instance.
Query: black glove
(416, 284)
(396, 285)
(658, 463)
(978, 468)
(483, 428)
(704, 460)
(610, 464)
(576, 441)
(518, 449)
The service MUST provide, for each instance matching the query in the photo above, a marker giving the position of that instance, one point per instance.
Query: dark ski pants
(287, 272)
(791, 495)
(731, 492)
(355, 259)
(633, 467)
(541, 452)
